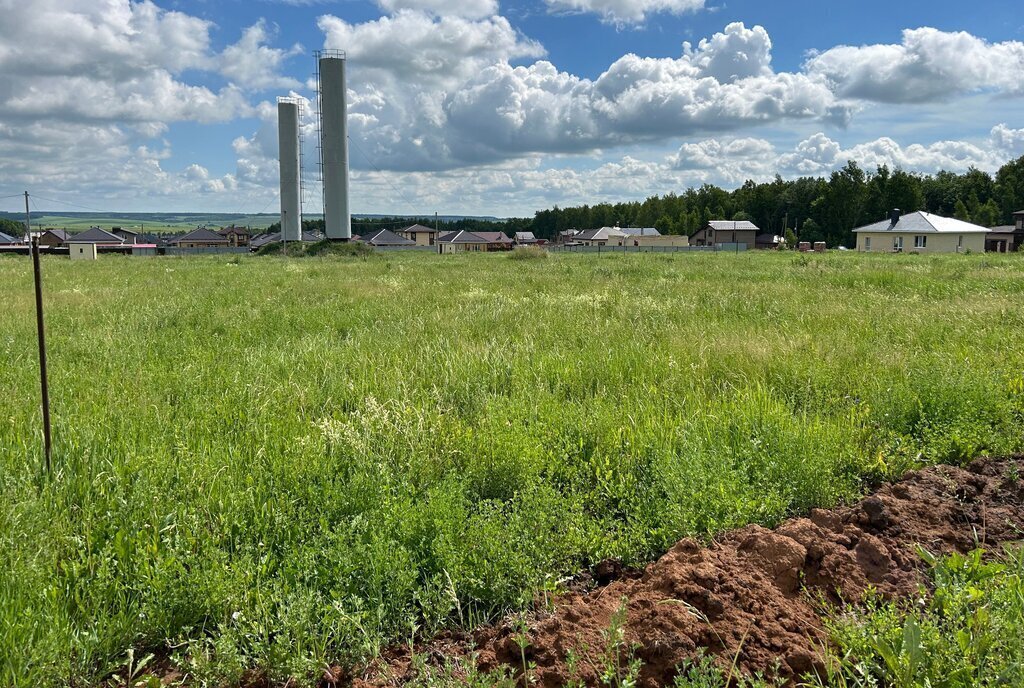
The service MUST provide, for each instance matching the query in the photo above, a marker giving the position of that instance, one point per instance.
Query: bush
(528, 253)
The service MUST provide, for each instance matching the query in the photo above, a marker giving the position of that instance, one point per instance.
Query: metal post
(42, 339)
(284, 237)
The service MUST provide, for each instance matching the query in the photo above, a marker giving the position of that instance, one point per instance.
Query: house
(605, 236)
(53, 237)
(526, 239)
(95, 235)
(1007, 238)
(127, 236)
(200, 238)
(420, 235)
(568, 235)
(261, 240)
(768, 241)
(718, 232)
(8, 240)
(496, 241)
(920, 232)
(461, 241)
(640, 231)
(385, 238)
(236, 236)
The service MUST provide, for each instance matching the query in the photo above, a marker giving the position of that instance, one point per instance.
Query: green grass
(967, 631)
(278, 464)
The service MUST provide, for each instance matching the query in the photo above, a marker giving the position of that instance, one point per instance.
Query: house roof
(224, 231)
(201, 234)
(61, 234)
(385, 237)
(463, 237)
(8, 239)
(601, 234)
(125, 230)
(525, 236)
(420, 229)
(494, 237)
(733, 226)
(922, 222)
(95, 236)
(640, 231)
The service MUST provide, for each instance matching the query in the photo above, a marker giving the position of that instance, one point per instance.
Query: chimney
(894, 216)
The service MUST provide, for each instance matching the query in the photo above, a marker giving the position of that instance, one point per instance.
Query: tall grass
(268, 464)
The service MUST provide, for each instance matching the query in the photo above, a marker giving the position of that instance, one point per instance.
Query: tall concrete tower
(334, 144)
(291, 180)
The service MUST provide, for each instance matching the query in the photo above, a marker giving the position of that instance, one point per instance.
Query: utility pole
(42, 338)
(284, 237)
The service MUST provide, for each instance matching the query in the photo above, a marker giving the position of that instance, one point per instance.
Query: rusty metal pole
(47, 445)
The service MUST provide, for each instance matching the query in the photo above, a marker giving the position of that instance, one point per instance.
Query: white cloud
(432, 93)
(1010, 141)
(472, 9)
(929, 65)
(250, 63)
(820, 155)
(625, 11)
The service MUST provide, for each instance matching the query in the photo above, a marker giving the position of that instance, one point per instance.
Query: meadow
(277, 464)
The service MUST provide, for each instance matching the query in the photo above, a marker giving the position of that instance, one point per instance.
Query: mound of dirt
(755, 594)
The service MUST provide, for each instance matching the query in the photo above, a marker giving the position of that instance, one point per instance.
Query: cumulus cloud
(87, 114)
(472, 9)
(250, 63)
(625, 11)
(1007, 140)
(820, 155)
(435, 93)
(928, 65)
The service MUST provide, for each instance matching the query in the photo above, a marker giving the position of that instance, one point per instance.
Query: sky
(495, 107)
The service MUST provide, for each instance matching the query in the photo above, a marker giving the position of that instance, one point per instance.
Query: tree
(987, 215)
(12, 227)
(960, 211)
(1009, 188)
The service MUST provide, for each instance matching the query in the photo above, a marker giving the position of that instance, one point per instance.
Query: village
(917, 232)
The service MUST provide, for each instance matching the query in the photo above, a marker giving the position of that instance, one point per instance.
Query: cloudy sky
(495, 107)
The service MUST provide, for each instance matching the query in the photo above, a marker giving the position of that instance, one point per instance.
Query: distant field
(277, 465)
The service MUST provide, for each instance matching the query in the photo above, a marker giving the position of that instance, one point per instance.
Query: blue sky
(498, 108)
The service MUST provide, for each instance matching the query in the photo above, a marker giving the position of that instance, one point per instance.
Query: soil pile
(754, 595)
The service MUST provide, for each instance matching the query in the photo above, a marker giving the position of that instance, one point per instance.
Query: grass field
(270, 464)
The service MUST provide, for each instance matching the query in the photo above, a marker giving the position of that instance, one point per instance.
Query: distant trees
(811, 208)
(12, 227)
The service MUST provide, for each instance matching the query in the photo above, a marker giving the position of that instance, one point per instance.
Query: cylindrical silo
(334, 147)
(291, 185)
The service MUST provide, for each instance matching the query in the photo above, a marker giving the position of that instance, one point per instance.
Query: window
(897, 243)
(960, 242)
(867, 243)
(920, 241)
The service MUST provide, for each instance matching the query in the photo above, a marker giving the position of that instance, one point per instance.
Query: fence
(719, 248)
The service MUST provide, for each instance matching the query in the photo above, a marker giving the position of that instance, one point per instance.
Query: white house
(920, 232)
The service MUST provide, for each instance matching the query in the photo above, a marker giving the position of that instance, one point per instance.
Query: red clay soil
(756, 593)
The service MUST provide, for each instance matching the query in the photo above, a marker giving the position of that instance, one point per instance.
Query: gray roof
(733, 226)
(61, 234)
(525, 236)
(640, 231)
(8, 239)
(201, 234)
(420, 229)
(462, 237)
(921, 223)
(95, 236)
(385, 237)
(494, 237)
